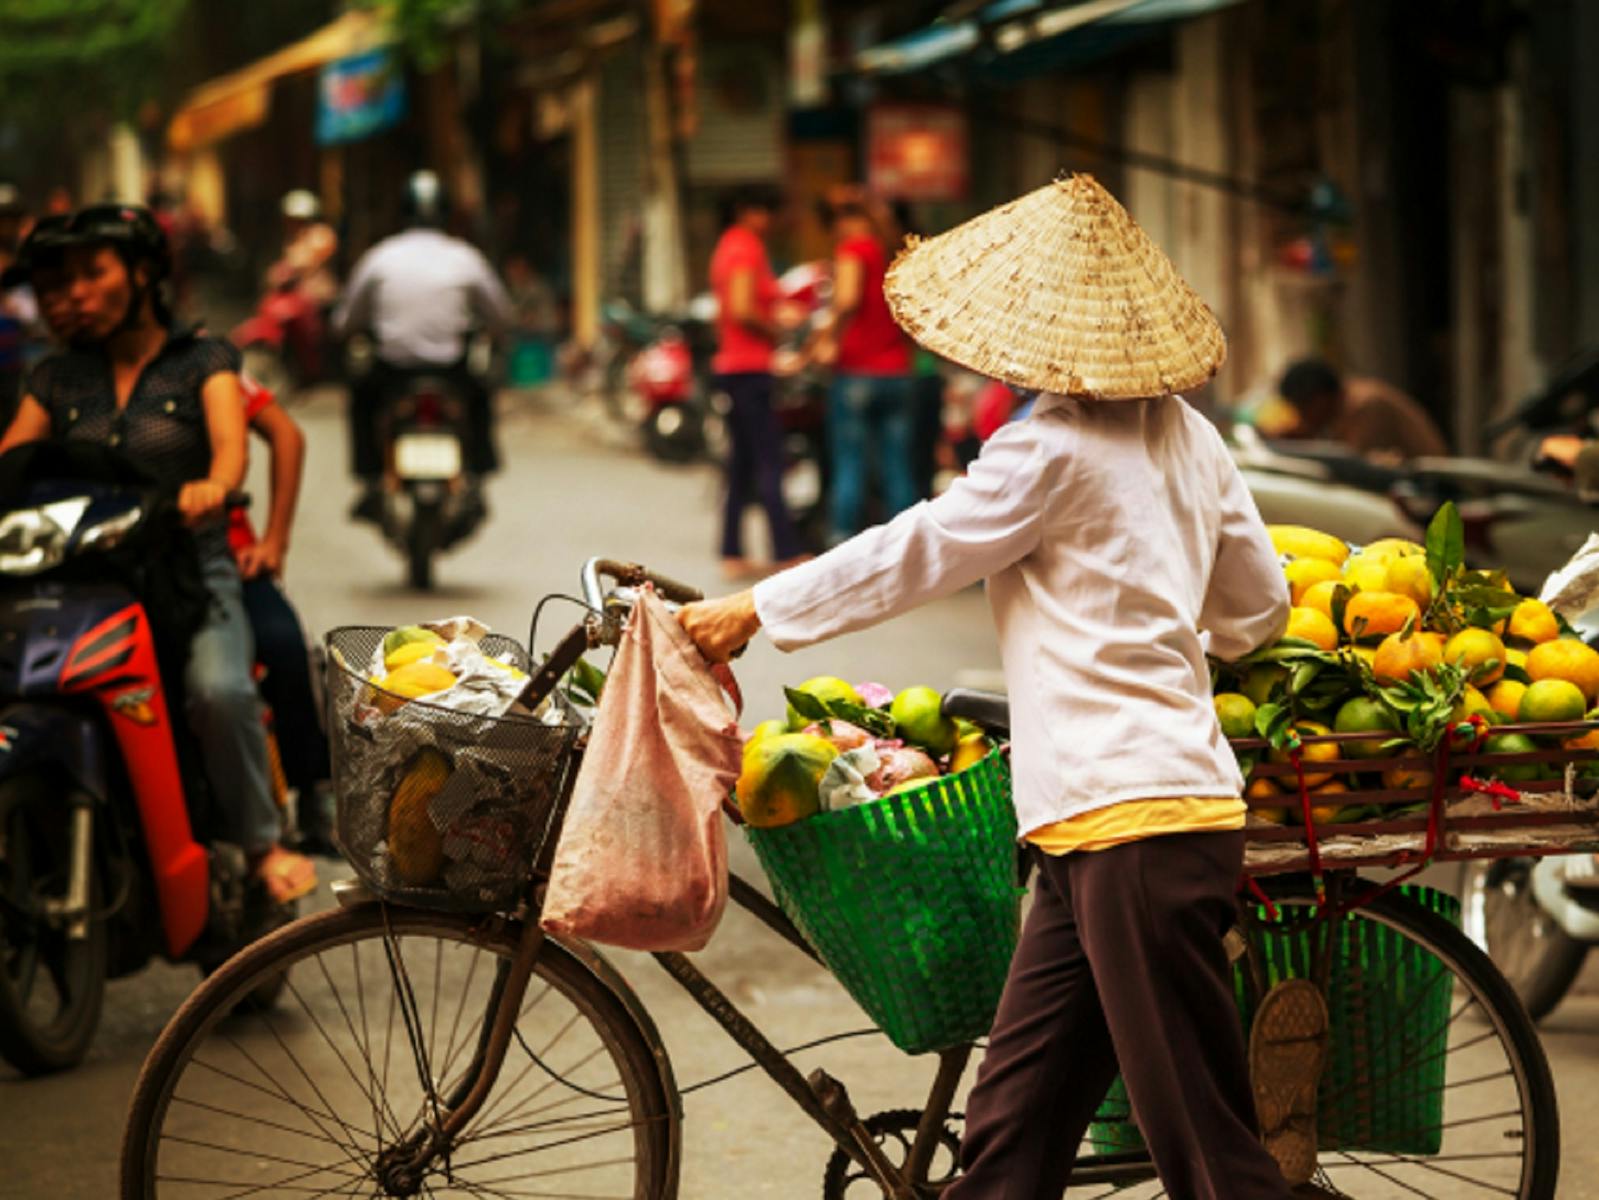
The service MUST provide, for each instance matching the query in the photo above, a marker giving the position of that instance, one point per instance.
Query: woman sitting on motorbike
(169, 398)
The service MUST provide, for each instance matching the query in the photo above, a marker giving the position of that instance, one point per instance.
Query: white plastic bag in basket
(642, 857)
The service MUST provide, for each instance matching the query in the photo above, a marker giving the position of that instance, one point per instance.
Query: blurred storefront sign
(359, 96)
(242, 99)
(917, 152)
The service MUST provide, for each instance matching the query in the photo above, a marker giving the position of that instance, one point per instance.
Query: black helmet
(47, 239)
(129, 229)
(425, 201)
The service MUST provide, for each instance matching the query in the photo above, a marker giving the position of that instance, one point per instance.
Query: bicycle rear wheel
(312, 1099)
(1452, 1053)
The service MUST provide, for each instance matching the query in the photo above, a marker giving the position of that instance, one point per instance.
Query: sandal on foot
(287, 876)
(1287, 1051)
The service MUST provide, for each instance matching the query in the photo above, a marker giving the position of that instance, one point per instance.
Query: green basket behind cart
(1383, 1088)
(910, 900)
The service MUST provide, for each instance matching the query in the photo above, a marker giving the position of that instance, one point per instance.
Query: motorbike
(1536, 918)
(102, 867)
(283, 342)
(668, 384)
(429, 504)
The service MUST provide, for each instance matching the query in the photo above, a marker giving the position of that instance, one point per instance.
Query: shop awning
(1007, 27)
(240, 100)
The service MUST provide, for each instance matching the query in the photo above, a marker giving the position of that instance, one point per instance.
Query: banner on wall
(359, 96)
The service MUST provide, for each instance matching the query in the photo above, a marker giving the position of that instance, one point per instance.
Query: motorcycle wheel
(422, 541)
(1500, 913)
(675, 433)
(265, 364)
(51, 987)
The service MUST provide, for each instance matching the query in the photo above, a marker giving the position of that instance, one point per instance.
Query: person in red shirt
(871, 422)
(280, 643)
(746, 334)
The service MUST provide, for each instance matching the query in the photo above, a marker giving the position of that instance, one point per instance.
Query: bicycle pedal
(833, 1095)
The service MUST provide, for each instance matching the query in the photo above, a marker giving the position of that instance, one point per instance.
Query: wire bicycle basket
(440, 808)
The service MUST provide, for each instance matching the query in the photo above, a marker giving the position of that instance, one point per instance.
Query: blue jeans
(225, 711)
(871, 430)
(755, 465)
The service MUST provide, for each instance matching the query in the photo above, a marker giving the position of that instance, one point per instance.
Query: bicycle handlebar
(631, 575)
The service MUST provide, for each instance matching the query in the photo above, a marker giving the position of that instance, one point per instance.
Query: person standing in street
(871, 420)
(1116, 535)
(746, 334)
(1369, 416)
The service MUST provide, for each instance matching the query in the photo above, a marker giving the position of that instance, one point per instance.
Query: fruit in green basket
(765, 729)
(826, 688)
(919, 718)
(1236, 712)
(969, 751)
(416, 847)
(1365, 715)
(778, 784)
(1515, 743)
(408, 635)
(1551, 700)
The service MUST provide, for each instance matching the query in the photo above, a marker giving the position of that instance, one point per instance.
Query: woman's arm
(31, 424)
(848, 280)
(287, 447)
(224, 424)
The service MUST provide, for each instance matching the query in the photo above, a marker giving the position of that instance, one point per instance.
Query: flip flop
(1287, 1052)
(287, 876)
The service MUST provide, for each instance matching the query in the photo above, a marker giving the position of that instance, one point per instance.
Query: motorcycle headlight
(35, 539)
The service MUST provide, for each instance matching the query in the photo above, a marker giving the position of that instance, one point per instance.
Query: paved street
(562, 498)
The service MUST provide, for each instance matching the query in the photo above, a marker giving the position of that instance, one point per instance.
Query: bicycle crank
(894, 1133)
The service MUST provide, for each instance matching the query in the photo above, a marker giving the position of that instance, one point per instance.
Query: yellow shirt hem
(1134, 820)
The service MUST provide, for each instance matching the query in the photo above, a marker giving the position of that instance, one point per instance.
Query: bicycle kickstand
(835, 1100)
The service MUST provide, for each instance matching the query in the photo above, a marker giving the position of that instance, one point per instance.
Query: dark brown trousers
(1121, 962)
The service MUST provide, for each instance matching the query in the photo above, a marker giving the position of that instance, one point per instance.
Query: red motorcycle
(284, 343)
(101, 867)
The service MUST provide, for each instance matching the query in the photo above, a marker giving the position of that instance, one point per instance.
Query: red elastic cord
(1260, 894)
(1492, 788)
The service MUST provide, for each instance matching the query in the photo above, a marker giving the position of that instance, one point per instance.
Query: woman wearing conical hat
(1119, 543)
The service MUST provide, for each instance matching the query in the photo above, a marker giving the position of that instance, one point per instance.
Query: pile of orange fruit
(1376, 614)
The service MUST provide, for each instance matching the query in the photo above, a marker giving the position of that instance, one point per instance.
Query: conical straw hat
(1061, 291)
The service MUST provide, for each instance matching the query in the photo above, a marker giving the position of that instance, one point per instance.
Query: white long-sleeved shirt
(1111, 534)
(421, 292)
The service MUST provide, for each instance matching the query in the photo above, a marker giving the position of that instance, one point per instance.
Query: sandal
(287, 876)
(1287, 1051)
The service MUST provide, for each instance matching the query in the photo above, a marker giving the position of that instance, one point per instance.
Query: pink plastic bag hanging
(642, 857)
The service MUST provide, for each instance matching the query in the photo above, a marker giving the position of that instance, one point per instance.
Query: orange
(1366, 574)
(1583, 741)
(1379, 613)
(1328, 814)
(1533, 621)
(1568, 659)
(1472, 703)
(1479, 653)
(1505, 697)
(1390, 549)
(1406, 778)
(1408, 576)
(1264, 789)
(1398, 657)
(1315, 627)
(1302, 573)
(781, 774)
(1310, 752)
(1551, 700)
(1299, 541)
(1319, 596)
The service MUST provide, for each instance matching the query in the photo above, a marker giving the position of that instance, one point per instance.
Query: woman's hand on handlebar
(721, 628)
(201, 498)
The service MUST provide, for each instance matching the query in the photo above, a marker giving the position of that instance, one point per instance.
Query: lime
(1514, 743)
(1552, 700)
(919, 718)
(1236, 713)
(1365, 715)
(825, 688)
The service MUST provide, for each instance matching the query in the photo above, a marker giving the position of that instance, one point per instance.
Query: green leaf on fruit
(1446, 544)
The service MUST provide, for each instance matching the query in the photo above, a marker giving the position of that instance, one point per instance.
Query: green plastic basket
(911, 901)
(1389, 1001)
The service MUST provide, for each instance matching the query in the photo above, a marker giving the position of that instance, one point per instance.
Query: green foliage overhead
(38, 36)
(424, 27)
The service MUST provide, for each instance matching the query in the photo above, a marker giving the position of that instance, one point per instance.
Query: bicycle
(427, 1053)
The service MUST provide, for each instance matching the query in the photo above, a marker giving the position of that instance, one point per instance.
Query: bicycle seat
(991, 710)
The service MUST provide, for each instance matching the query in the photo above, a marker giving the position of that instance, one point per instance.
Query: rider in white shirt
(421, 294)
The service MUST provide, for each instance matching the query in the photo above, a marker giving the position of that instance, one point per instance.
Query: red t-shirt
(241, 534)
(871, 342)
(738, 348)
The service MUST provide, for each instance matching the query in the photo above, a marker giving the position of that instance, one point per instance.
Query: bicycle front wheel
(1436, 1086)
(382, 1012)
